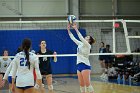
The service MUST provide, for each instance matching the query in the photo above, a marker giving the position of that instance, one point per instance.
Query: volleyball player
(109, 58)
(102, 49)
(83, 64)
(8, 74)
(4, 62)
(45, 65)
(24, 64)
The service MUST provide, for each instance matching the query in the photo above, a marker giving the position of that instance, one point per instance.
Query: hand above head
(74, 26)
(68, 27)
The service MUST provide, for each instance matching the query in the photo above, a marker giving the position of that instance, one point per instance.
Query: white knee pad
(10, 91)
(82, 89)
(50, 87)
(36, 86)
(43, 85)
(89, 88)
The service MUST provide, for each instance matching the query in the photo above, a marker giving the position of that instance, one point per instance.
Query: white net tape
(91, 26)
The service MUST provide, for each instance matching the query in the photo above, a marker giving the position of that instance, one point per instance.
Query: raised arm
(79, 34)
(71, 35)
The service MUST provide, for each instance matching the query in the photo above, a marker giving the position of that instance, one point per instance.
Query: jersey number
(23, 62)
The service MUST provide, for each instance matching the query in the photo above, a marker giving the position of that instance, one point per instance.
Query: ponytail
(26, 44)
(27, 57)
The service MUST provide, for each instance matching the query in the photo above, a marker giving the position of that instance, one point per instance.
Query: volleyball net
(122, 35)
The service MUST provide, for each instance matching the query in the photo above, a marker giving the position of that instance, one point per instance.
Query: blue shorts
(10, 79)
(24, 88)
(82, 66)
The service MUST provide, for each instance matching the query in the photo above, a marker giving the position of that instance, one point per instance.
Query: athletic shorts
(82, 66)
(10, 79)
(102, 57)
(46, 71)
(24, 88)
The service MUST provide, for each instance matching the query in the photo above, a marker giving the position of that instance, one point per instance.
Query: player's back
(24, 73)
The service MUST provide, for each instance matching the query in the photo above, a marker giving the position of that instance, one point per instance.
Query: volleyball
(71, 19)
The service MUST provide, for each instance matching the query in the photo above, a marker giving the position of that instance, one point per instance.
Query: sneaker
(105, 77)
(102, 75)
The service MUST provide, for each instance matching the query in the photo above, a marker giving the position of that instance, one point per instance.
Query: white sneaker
(102, 75)
(105, 77)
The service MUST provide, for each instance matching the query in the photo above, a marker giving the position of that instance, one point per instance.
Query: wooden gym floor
(71, 85)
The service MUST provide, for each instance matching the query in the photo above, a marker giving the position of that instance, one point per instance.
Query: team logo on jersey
(45, 59)
(5, 65)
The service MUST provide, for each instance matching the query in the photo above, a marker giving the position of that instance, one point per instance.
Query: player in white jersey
(4, 62)
(83, 64)
(24, 64)
(8, 73)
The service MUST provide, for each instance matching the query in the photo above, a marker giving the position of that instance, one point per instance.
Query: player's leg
(19, 90)
(102, 63)
(10, 84)
(29, 90)
(49, 82)
(86, 78)
(81, 82)
(106, 70)
(42, 89)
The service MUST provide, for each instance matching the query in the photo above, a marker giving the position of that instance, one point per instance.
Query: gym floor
(71, 85)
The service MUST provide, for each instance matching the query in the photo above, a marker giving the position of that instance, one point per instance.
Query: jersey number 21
(23, 62)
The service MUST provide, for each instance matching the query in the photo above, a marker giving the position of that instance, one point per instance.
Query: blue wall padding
(57, 40)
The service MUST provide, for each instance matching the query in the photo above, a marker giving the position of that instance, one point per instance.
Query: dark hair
(92, 40)
(19, 49)
(103, 44)
(26, 44)
(108, 46)
(42, 40)
(4, 51)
